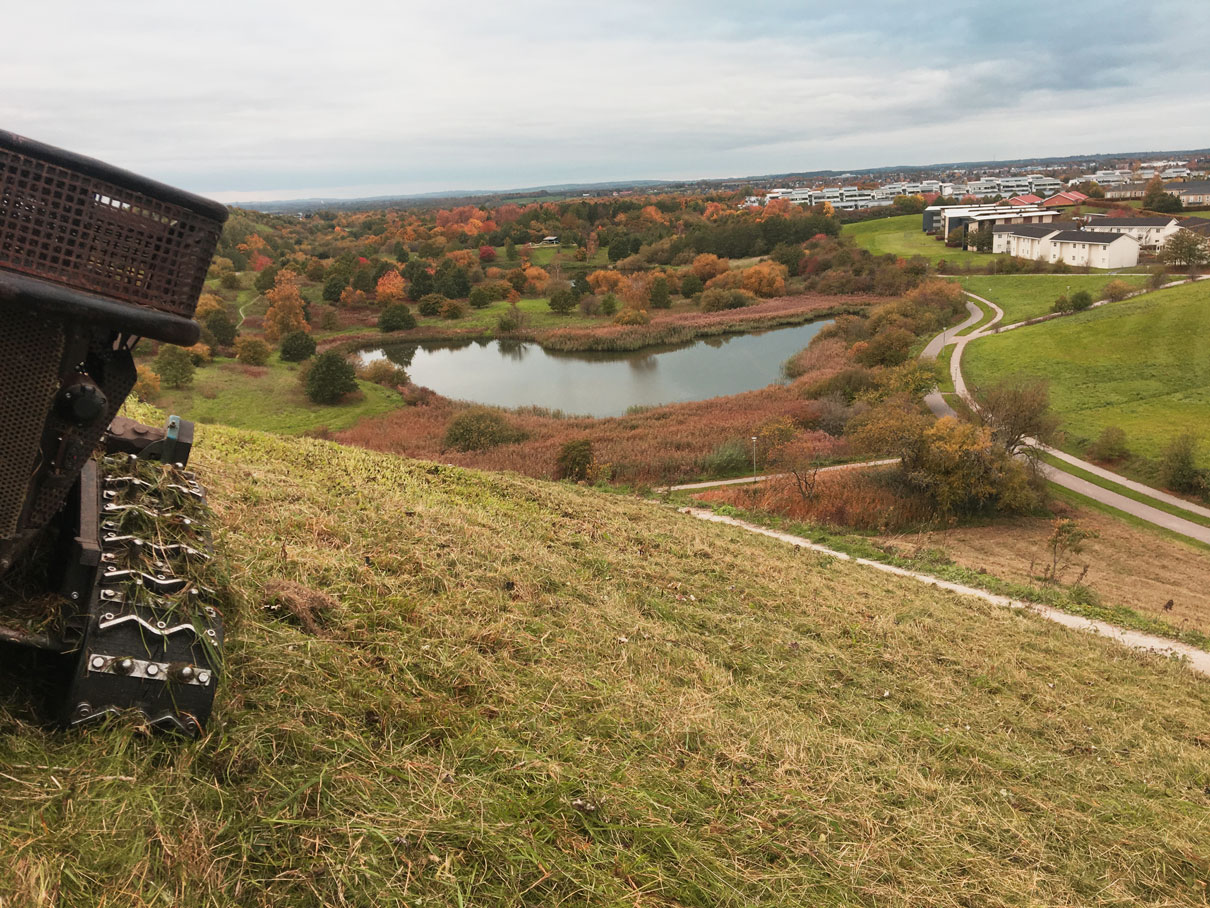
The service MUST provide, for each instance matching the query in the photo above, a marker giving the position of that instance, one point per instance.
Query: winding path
(939, 406)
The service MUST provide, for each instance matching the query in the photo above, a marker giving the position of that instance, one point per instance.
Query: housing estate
(1079, 248)
(1149, 232)
(944, 219)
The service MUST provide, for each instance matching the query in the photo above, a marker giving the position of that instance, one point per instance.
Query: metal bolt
(108, 616)
(211, 633)
(186, 672)
(83, 709)
(75, 596)
(126, 666)
(203, 677)
(97, 662)
(161, 625)
(152, 669)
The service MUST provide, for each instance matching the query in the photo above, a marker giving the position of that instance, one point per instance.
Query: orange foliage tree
(390, 287)
(605, 282)
(765, 279)
(708, 265)
(285, 315)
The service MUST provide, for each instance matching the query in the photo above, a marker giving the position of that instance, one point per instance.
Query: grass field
(536, 694)
(270, 399)
(1024, 296)
(1140, 364)
(902, 236)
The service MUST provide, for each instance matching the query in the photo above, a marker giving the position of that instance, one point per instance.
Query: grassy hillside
(1024, 296)
(536, 694)
(902, 236)
(1140, 364)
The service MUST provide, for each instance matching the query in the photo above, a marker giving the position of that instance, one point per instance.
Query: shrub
(562, 301)
(200, 354)
(453, 309)
(609, 305)
(691, 285)
(1157, 278)
(397, 317)
(660, 297)
(630, 316)
(1116, 291)
(480, 297)
(147, 384)
(1178, 465)
(510, 321)
(574, 460)
(888, 347)
(252, 351)
(478, 429)
(1080, 300)
(330, 378)
(590, 305)
(297, 346)
(174, 366)
(716, 300)
(221, 328)
(231, 281)
(430, 304)
(383, 372)
(1110, 444)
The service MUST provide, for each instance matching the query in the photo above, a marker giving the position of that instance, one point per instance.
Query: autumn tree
(1156, 199)
(390, 288)
(708, 265)
(766, 279)
(174, 366)
(286, 312)
(1017, 411)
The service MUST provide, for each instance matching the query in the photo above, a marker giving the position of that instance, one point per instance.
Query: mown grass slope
(535, 694)
(901, 235)
(1024, 296)
(1140, 364)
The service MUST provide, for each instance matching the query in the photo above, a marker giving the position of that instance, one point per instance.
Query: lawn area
(1024, 296)
(902, 236)
(543, 255)
(1140, 364)
(271, 399)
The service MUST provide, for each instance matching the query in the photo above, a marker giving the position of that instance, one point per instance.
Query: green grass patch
(1025, 296)
(1140, 364)
(529, 693)
(902, 236)
(228, 393)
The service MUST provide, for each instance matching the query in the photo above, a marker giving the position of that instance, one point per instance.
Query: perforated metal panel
(93, 235)
(30, 350)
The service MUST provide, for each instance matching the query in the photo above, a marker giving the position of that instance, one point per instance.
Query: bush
(221, 328)
(1080, 300)
(660, 297)
(574, 460)
(630, 316)
(888, 347)
(691, 285)
(200, 354)
(562, 301)
(453, 309)
(1110, 444)
(511, 320)
(383, 372)
(430, 304)
(397, 317)
(252, 351)
(174, 366)
(297, 346)
(478, 429)
(480, 297)
(730, 457)
(231, 281)
(1178, 467)
(1116, 291)
(716, 300)
(609, 305)
(147, 384)
(330, 378)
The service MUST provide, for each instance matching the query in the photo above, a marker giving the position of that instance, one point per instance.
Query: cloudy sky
(270, 100)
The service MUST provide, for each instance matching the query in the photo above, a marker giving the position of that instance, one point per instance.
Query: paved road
(938, 343)
(938, 405)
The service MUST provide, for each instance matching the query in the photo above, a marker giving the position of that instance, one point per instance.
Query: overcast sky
(273, 100)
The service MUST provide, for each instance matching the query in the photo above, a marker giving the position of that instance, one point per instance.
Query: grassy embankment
(1028, 296)
(537, 694)
(1140, 364)
(902, 236)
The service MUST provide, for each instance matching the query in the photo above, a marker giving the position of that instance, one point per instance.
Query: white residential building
(1151, 233)
(1078, 248)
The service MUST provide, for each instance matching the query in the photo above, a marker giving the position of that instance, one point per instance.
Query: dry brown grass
(1127, 565)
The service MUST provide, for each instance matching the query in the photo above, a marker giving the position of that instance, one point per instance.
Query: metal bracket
(128, 666)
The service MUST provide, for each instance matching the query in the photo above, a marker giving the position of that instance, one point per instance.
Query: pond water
(515, 374)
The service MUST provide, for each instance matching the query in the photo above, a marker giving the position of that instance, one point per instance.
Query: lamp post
(754, 458)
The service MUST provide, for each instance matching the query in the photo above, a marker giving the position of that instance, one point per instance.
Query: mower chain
(154, 634)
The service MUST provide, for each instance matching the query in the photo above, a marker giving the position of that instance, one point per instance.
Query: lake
(514, 374)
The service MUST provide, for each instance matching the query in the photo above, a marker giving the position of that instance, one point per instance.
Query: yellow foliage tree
(765, 279)
(603, 282)
(390, 288)
(206, 305)
(286, 313)
(707, 265)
